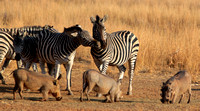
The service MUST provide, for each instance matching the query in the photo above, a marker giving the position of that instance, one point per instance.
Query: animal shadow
(6, 89)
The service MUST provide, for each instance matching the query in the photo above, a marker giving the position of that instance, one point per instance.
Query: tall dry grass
(168, 30)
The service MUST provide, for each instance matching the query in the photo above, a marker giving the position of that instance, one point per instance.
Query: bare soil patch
(146, 94)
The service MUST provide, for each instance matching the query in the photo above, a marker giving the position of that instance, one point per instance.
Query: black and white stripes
(6, 43)
(25, 43)
(60, 48)
(114, 49)
(6, 51)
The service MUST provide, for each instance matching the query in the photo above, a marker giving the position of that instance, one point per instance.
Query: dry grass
(168, 30)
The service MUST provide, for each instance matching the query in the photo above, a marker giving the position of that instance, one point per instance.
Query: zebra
(6, 51)
(60, 48)
(114, 49)
(6, 44)
(26, 46)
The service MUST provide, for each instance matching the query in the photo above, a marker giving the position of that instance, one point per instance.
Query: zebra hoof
(98, 95)
(3, 82)
(129, 93)
(70, 93)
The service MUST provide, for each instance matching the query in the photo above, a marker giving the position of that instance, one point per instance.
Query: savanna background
(169, 36)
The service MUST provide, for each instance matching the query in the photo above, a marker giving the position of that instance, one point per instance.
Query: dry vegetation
(168, 30)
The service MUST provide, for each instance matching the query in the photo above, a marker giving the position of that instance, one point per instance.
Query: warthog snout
(58, 98)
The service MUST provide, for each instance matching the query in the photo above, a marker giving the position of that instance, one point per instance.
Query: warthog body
(178, 84)
(101, 84)
(36, 81)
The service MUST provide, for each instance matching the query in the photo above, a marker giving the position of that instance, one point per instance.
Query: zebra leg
(5, 64)
(57, 70)
(68, 68)
(98, 64)
(42, 66)
(131, 74)
(104, 67)
(122, 69)
(19, 64)
(27, 65)
(51, 69)
(34, 66)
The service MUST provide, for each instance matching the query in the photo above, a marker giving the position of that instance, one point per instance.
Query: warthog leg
(189, 91)
(181, 98)
(90, 88)
(14, 91)
(21, 86)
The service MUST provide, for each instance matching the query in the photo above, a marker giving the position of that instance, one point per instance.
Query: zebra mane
(31, 30)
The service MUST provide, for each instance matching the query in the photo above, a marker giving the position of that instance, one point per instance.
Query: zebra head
(18, 40)
(83, 36)
(99, 30)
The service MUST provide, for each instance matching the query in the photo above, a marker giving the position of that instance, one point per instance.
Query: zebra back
(31, 30)
(6, 46)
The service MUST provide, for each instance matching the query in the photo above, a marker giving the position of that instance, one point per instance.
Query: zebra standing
(6, 44)
(60, 48)
(114, 49)
(26, 46)
(6, 51)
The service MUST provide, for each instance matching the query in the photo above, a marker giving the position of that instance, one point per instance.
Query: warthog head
(56, 90)
(166, 93)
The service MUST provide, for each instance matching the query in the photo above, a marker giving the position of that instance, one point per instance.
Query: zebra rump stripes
(6, 51)
(25, 44)
(114, 49)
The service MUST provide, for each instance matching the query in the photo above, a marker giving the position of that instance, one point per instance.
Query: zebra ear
(93, 20)
(104, 19)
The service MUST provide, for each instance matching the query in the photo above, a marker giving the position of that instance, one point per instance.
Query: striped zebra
(26, 46)
(114, 49)
(6, 51)
(6, 44)
(60, 48)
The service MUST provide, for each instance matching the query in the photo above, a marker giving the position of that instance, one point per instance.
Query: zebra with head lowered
(114, 49)
(60, 48)
(6, 44)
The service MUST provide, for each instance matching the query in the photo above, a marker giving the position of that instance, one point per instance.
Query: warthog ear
(55, 82)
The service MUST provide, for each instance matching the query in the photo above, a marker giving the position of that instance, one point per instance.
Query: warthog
(178, 84)
(101, 84)
(36, 81)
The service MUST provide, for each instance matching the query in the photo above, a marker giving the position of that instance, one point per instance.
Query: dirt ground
(146, 94)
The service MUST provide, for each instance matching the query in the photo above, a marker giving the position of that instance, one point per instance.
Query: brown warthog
(179, 83)
(36, 81)
(101, 84)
